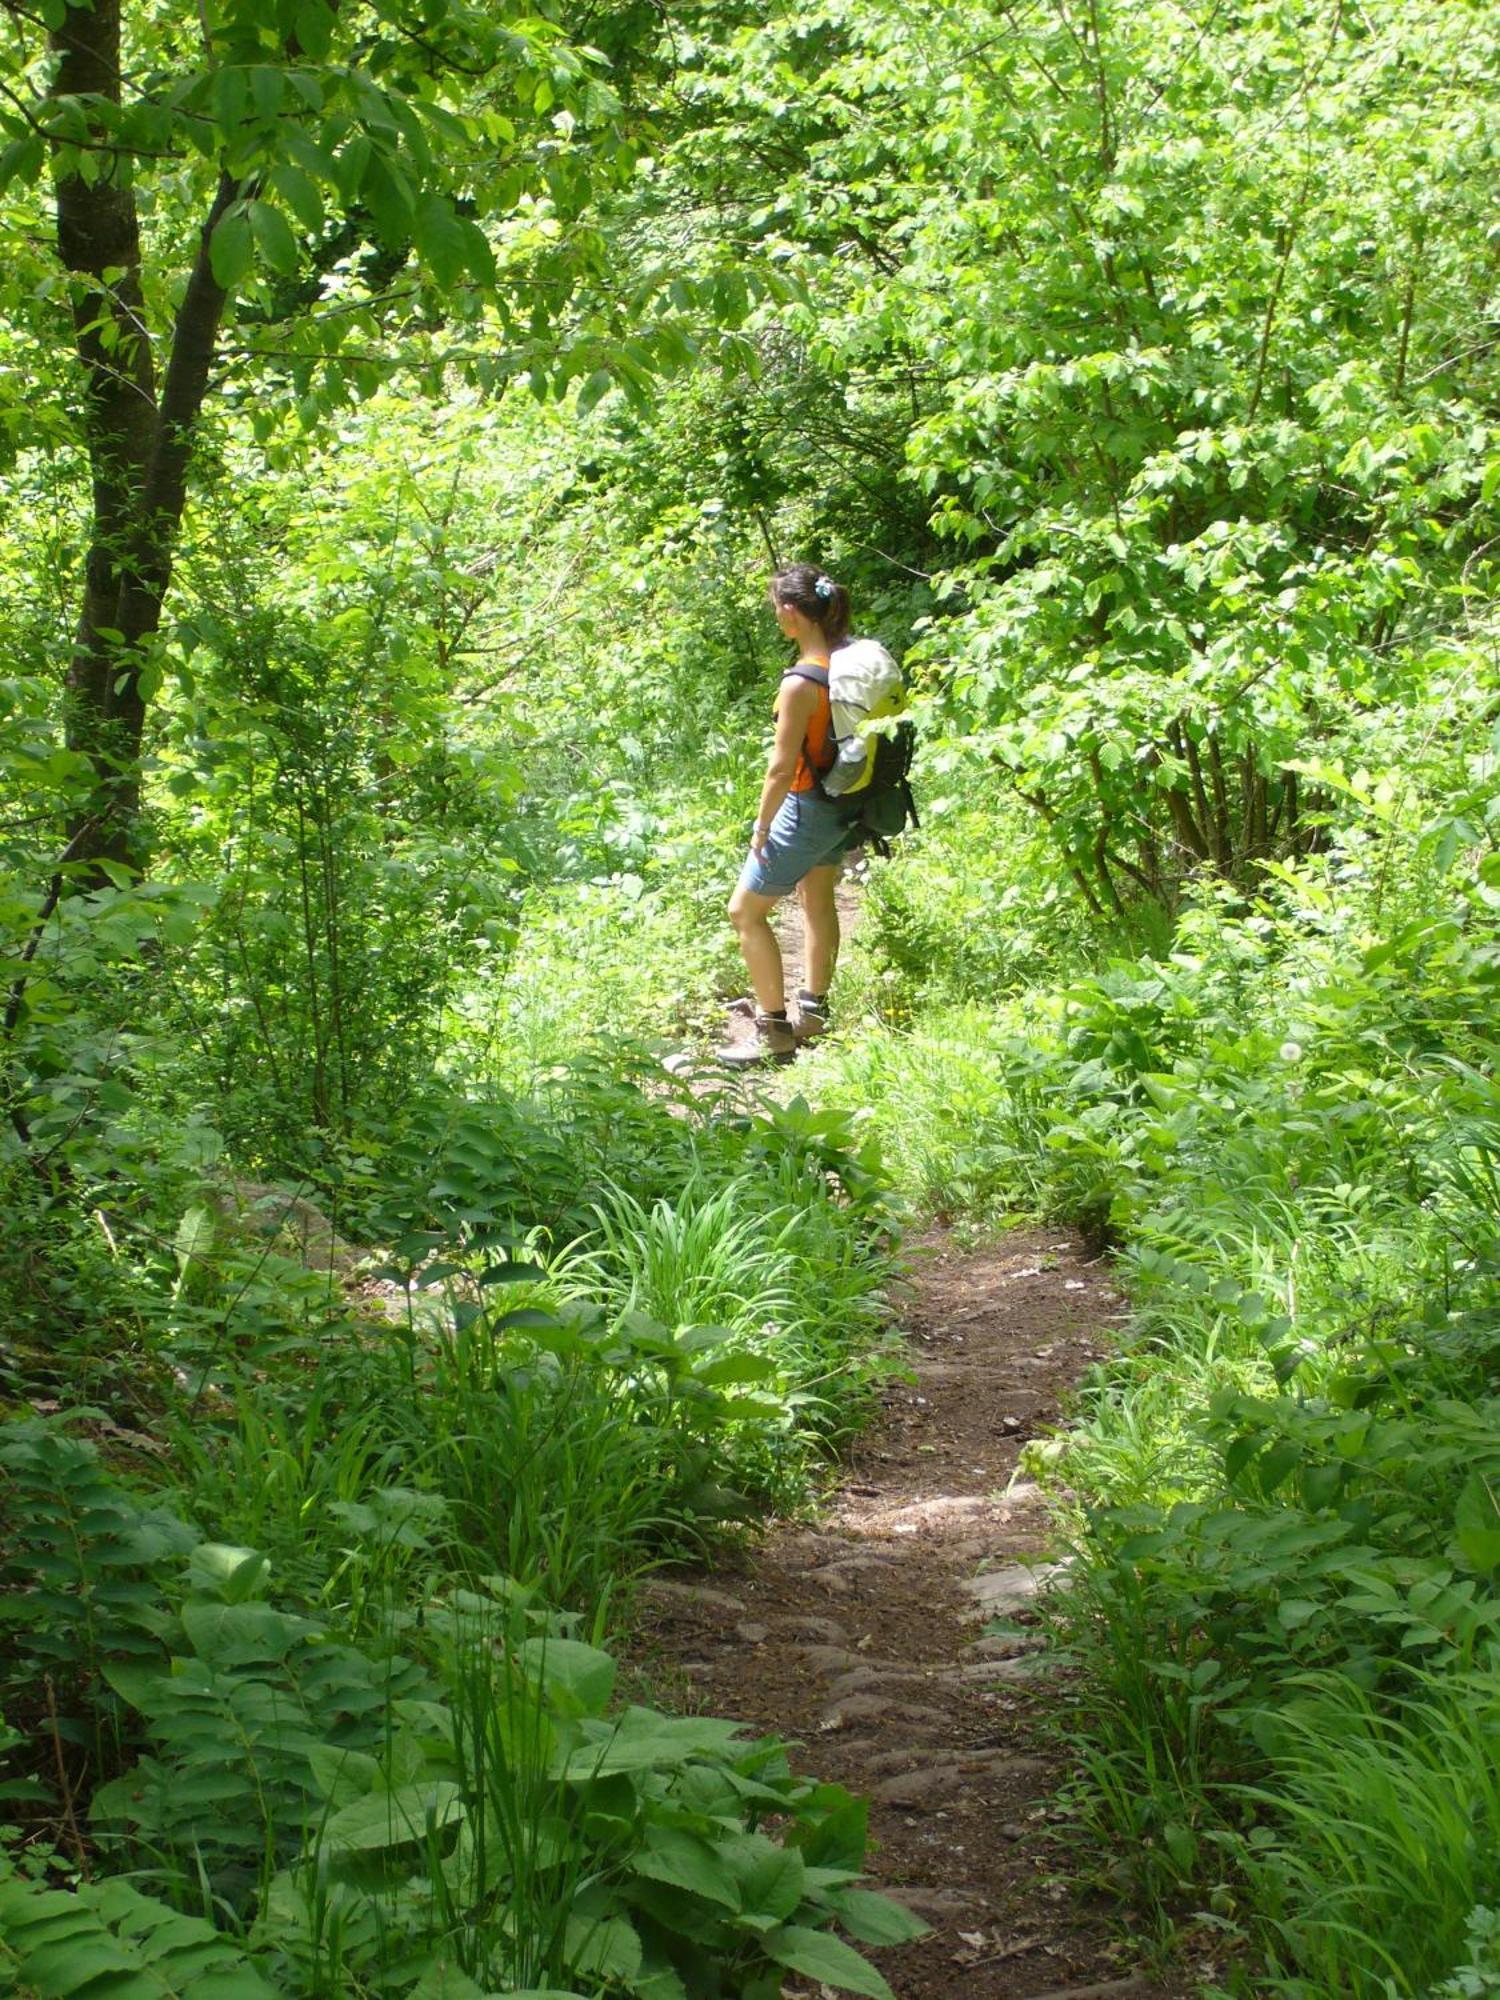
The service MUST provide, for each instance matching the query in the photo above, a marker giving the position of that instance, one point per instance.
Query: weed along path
(863, 1638)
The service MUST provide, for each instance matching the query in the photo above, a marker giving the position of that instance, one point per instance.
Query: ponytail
(804, 587)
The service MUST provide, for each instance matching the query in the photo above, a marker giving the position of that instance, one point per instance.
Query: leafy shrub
(368, 1821)
(251, 1699)
(532, 1834)
(950, 1105)
(970, 910)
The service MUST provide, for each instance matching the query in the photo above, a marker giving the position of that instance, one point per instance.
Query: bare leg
(820, 915)
(751, 916)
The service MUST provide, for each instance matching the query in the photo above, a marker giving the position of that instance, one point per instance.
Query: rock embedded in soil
(939, 1782)
(866, 1707)
(670, 1594)
(1011, 1587)
(1006, 1645)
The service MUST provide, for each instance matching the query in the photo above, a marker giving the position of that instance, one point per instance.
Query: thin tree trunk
(1223, 842)
(1185, 826)
(1102, 875)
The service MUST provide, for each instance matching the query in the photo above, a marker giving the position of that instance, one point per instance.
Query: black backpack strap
(808, 670)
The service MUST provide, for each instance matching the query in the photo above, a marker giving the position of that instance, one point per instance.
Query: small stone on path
(1007, 1589)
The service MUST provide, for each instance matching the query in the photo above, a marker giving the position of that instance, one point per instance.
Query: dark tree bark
(139, 437)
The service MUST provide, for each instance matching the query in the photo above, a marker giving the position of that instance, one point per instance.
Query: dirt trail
(863, 1638)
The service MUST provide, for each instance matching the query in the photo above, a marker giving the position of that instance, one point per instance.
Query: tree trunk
(138, 442)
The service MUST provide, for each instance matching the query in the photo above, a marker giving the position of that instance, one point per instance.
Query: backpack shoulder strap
(807, 670)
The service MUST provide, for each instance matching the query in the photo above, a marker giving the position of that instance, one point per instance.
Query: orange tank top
(817, 751)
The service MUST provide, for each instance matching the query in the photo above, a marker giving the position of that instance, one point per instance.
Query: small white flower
(1291, 1052)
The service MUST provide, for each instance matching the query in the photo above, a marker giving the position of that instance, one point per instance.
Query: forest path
(862, 1638)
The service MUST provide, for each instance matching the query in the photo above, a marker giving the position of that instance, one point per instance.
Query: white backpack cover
(864, 682)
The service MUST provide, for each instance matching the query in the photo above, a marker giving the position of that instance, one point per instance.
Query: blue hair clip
(824, 587)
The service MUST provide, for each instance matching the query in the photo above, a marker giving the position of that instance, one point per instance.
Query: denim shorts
(809, 831)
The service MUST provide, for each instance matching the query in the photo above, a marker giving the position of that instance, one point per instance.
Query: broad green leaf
(231, 1573)
(301, 194)
(772, 1879)
(236, 1635)
(1477, 1523)
(478, 254)
(609, 1947)
(267, 89)
(673, 1855)
(738, 1367)
(440, 239)
(876, 1919)
(394, 1819)
(594, 389)
(386, 191)
(231, 249)
(273, 235)
(342, 1776)
(841, 1836)
(445, 1981)
(133, 1683)
(512, 1272)
(659, 1982)
(576, 1678)
(315, 26)
(643, 1740)
(817, 1955)
(22, 160)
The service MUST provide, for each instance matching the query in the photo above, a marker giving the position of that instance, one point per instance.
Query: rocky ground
(865, 1638)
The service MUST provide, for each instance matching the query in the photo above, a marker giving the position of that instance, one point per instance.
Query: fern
(110, 1940)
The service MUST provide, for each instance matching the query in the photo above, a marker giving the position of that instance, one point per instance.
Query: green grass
(1387, 1836)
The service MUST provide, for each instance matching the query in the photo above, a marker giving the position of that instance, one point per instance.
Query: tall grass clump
(1387, 1836)
(711, 1256)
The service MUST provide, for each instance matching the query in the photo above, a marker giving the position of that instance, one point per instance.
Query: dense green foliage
(375, 1307)
(364, 1733)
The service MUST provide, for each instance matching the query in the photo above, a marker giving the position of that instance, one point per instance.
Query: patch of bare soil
(864, 1638)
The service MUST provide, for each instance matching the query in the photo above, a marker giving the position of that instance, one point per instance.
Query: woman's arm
(794, 711)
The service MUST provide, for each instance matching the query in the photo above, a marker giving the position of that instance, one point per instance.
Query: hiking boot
(813, 1018)
(755, 1037)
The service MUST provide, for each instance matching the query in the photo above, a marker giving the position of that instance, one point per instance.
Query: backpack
(868, 778)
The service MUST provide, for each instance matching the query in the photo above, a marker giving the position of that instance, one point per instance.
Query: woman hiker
(799, 835)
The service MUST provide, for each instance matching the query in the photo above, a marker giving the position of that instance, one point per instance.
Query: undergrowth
(307, 1662)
